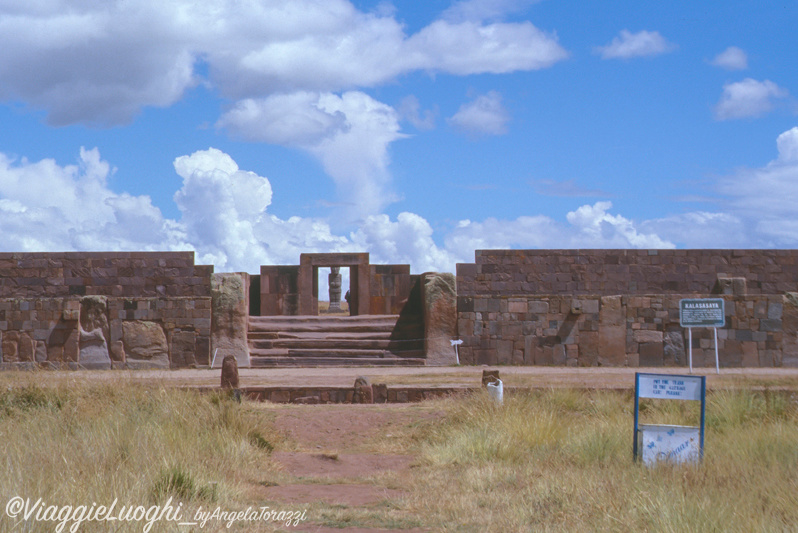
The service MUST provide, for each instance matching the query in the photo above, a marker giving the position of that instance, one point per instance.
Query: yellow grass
(555, 460)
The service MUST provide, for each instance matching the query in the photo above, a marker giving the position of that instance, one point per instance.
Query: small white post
(456, 343)
(717, 363)
(690, 343)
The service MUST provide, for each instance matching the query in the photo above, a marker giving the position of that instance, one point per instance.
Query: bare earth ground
(450, 376)
(340, 458)
(337, 457)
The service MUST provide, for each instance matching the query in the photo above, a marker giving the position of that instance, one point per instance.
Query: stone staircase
(364, 340)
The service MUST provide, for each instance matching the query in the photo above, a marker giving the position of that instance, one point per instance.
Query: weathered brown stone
(26, 348)
(145, 345)
(612, 332)
(651, 354)
(117, 352)
(489, 376)
(646, 336)
(440, 318)
(10, 346)
(750, 356)
(673, 348)
(364, 393)
(789, 319)
(229, 372)
(380, 391)
(230, 317)
(182, 346)
(588, 348)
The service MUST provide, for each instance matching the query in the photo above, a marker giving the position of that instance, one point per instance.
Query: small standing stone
(230, 372)
(380, 391)
(489, 376)
(364, 393)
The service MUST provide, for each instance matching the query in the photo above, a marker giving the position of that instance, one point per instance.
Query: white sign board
(667, 387)
(669, 444)
(677, 444)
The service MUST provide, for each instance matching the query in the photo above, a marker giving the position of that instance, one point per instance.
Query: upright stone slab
(612, 332)
(229, 372)
(229, 318)
(440, 318)
(94, 333)
(789, 317)
(145, 345)
(364, 392)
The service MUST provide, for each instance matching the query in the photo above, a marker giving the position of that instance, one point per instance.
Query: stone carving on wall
(93, 332)
(145, 345)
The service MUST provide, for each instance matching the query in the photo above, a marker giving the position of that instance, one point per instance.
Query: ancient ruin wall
(608, 272)
(104, 310)
(621, 307)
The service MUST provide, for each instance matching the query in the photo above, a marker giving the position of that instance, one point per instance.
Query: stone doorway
(309, 266)
(334, 291)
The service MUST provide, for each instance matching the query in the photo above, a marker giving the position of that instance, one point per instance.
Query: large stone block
(647, 336)
(789, 319)
(230, 317)
(588, 348)
(182, 348)
(440, 317)
(612, 332)
(673, 348)
(145, 345)
(651, 354)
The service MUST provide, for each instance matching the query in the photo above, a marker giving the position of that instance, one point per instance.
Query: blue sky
(252, 131)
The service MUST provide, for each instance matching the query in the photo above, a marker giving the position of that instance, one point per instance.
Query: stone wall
(389, 289)
(602, 314)
(104, 310)
(279, 290)
(606, 272)
(290, 290)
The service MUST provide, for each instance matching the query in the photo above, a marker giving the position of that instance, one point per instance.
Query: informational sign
(670, 444)
(702, 313)
(675, 444)
(669, 387)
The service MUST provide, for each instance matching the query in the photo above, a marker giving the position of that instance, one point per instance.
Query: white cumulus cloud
(225, 219)
(485, 115)
(627, 45)
(748, 98)
(733, 58)
(102, 62)
(349, 134)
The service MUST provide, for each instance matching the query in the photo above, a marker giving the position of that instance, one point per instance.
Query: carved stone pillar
(335, 288)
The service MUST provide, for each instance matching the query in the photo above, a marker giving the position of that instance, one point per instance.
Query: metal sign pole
(637, 411)
(717, 363)
(690, 342)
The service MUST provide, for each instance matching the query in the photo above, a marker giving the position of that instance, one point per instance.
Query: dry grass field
(554, 459)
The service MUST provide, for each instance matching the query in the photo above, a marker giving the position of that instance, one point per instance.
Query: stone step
(335, 353)
(315, 335)
(335, 340)
(337, 344)
(262, 362)
(269, 323)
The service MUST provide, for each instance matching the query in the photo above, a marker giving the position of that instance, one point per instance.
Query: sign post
(702, 313)
(676, 444)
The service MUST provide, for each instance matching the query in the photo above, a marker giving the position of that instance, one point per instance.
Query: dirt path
(341, 457)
